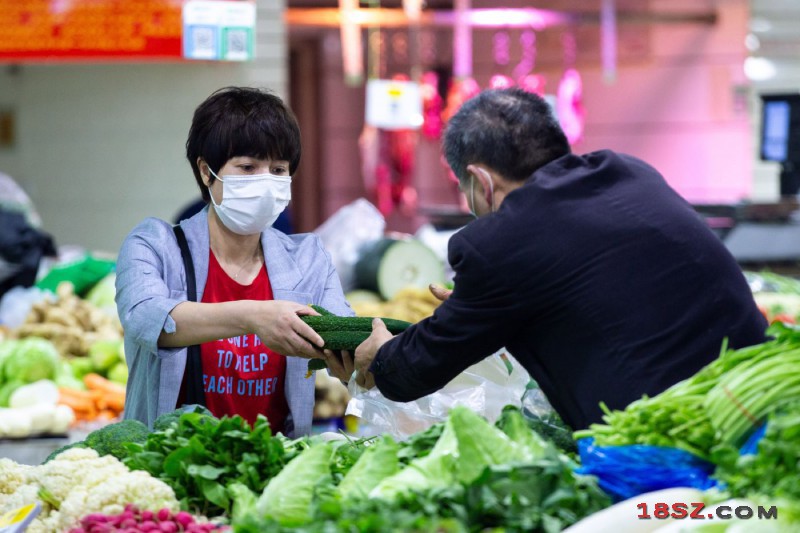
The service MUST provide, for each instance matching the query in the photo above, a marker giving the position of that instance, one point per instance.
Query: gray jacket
(151, 282)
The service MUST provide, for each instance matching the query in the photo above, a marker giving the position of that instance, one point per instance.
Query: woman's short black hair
(511, 130)
(241, 121)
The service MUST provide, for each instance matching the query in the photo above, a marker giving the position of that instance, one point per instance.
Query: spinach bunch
(199, 456)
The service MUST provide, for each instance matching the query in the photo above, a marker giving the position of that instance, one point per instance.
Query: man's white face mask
(472, 191)
(250, 204)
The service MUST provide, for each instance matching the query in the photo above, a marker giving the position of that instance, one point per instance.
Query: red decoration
(431, 105)
(569, 105)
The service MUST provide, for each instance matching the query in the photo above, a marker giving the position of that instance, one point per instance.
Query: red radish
(163, 515)
(183, 518)
(168, 527)
(96, 518)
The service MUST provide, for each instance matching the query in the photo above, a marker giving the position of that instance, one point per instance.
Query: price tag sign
(394, 105)
(219, 30)
(17, 520)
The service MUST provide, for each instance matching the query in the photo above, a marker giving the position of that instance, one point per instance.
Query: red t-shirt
(240, 375)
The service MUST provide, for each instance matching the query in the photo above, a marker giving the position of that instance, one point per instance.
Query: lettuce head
(33, 359)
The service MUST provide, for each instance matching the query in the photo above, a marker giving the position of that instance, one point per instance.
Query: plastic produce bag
(346, 232)
(627, 471)
(485, 387)
(16, 304)
(536, 408)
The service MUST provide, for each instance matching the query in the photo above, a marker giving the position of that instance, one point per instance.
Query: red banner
(80, 30)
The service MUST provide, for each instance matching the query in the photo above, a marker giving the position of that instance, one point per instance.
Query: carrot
(74, 393)
(115, 402)
(106, 414)
(97, 382)
(76, 404)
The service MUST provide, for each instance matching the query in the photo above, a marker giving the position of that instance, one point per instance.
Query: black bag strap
(193, 375)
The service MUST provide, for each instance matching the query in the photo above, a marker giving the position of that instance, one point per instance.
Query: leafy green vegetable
(513, 424)
(288, 496)
(420, 444)
(173, 417)
(467, 445)
(200, 456)
(772, 471)
(721, 403)
(543, 496)
(378, 462)
(549, 427)
(475, 478)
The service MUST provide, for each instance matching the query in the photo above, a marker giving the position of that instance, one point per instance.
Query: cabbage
(32, 359)
(119, 373)
(466, 447)
(379, 461)
(7, 389)
(288, 496)
(6, 348)
(103, 293)
(104, 354)
(66, 377)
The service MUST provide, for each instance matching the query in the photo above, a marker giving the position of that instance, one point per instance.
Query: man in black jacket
(595, 274)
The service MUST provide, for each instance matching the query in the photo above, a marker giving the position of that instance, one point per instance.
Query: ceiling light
(759, 68)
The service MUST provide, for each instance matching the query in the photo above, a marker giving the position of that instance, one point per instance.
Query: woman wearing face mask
(219, 337)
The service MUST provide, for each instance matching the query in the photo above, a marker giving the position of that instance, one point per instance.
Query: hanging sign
(394, 105)
(219, 30)
(64, 30)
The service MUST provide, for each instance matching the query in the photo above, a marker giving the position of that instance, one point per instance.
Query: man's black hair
(510, 130)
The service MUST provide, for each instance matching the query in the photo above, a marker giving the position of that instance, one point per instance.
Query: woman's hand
(277, 323)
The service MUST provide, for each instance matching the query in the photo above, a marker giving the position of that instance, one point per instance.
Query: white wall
(766, 175)
(99, 147)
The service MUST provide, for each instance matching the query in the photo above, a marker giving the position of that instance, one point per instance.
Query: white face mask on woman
(251, 203)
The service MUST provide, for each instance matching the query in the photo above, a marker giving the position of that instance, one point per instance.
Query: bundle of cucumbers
(345, 332)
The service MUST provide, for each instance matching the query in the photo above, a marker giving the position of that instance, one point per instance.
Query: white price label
(394, 105)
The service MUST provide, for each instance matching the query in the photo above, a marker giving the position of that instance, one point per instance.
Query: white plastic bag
(485, 387)
(346, 232)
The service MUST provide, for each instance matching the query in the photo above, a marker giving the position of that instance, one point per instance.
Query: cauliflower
(76, 467)
(12, 476)
(76, 483)
(111, 496)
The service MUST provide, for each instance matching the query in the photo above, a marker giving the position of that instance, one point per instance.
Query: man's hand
(341, 364)
(440, 293)
(365, 353)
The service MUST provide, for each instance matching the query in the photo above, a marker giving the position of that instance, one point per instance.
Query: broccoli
(77, 444)
(111, 439)
(168, 419)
